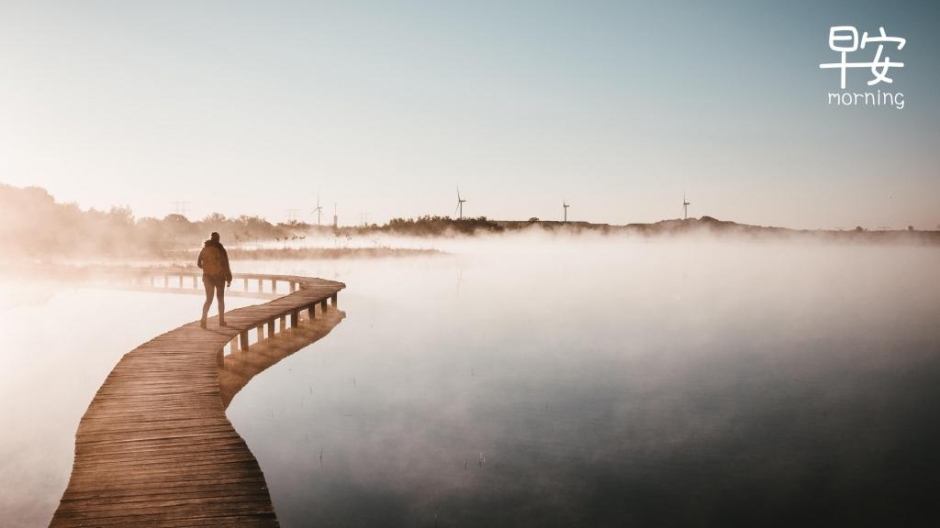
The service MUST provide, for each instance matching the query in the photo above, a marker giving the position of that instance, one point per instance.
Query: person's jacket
(213, 260)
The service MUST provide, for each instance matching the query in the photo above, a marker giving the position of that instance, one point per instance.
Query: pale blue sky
(383, 107)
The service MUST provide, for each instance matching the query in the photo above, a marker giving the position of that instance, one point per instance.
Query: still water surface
(59, 343)
(609, 385)
(553, 383)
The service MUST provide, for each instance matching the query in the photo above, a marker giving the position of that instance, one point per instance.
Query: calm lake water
(534, 382)
(60, 341)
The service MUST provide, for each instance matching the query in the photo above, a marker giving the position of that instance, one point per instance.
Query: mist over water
(60, 342)
(610, 382)
(545, 381)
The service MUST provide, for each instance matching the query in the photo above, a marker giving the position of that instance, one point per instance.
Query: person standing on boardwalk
(213, 260)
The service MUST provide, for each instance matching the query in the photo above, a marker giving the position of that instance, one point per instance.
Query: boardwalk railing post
(270, 328)
(312, 311)
(243, 337)
(333, 300)
(273, 285)
(293, 286)
(323, 306)
(293, 318)
(283, 321)
(260, 333)
(245, 285)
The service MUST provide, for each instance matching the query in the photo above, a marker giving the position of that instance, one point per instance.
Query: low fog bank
(61, 341)
(607, 379)
(685, 382)
(33, 226)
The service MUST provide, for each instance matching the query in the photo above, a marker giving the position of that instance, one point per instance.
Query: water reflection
(641, 384)
(60, 341)
(241, 366)
(606, 383)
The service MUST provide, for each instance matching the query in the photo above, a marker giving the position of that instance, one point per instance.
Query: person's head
(214, 236)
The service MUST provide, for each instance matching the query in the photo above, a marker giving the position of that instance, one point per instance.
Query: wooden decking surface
(155, 448)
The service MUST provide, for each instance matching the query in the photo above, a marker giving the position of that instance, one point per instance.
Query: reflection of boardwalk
(240, 368)
(155, 447)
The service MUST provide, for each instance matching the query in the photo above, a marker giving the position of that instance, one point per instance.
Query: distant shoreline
(315, 253)
(35, 226)
(707, 225)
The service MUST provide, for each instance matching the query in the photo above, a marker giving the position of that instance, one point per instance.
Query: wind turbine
(181, 208)
(566, 206)
(685, 207)
(318, 210)
(460, 202)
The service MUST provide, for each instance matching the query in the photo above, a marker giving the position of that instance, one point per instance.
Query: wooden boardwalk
(155, 448)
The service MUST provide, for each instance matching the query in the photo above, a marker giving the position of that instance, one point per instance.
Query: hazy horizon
(385, 108)
(327, 220)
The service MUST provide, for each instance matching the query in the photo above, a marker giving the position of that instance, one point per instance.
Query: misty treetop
(33, 224)
(440, 225)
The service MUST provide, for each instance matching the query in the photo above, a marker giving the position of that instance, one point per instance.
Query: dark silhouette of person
(213, 260)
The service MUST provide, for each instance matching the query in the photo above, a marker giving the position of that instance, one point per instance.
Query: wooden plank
(155, 448)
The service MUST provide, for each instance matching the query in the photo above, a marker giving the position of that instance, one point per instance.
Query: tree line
(33, 224)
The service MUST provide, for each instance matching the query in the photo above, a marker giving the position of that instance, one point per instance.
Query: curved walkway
(155, 448)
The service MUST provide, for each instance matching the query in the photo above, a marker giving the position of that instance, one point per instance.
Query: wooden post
(260, 333)
(293, 286)
(245, 289)
(323, 306)
(244, 340)
(293, 318)
(273, 285)
(312, 311)
(283, 321)
(333, 300)
(270, 328)
(260, 285)
(221, 357)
